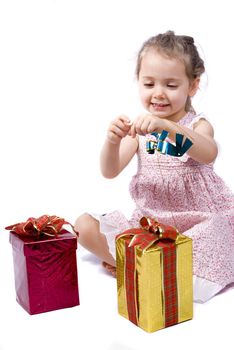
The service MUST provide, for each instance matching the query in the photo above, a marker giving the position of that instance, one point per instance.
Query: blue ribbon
(165, 147)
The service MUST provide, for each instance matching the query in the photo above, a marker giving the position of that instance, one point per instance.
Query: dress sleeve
(198, 117)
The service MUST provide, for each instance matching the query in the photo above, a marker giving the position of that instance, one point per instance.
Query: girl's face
(164, 86)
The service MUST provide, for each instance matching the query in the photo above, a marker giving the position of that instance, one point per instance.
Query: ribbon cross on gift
(165, 147)
(45, 224)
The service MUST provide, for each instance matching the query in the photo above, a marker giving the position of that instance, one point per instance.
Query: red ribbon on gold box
(154, 275)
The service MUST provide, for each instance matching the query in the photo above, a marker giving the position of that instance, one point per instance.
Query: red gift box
(45, 270)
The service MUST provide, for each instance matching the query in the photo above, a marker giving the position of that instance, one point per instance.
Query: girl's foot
(109, 268)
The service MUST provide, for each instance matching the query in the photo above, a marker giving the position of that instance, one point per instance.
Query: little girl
(182, 191)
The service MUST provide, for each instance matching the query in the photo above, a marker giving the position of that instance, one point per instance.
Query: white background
(66, 70)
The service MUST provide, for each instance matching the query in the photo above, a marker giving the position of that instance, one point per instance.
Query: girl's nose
(158, 93)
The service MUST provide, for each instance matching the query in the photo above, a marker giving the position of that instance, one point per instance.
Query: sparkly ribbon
(45, 224)
(150, 232)
(166, 147)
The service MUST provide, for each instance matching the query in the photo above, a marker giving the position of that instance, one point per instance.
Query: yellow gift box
(152, 293)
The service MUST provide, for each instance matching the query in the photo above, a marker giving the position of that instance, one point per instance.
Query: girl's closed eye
(149, 85)
(172, 86)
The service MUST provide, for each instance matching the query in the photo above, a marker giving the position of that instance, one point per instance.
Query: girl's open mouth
(160, 105)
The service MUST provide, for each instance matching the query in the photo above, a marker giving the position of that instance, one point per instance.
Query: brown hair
(181, 47)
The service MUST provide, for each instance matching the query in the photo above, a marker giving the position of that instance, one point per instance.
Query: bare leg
(93, 240)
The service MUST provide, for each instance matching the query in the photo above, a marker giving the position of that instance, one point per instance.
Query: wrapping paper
(45, 269)
(154, 281)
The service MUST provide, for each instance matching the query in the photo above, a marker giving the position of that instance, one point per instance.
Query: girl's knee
(82, 223)
(85, 225)
(91, 238)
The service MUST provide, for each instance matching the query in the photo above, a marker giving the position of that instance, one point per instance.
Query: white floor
(95, 324)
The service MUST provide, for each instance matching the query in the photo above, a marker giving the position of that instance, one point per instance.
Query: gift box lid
(43, 244)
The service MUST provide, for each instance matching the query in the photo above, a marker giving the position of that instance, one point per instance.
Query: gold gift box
(150, 296)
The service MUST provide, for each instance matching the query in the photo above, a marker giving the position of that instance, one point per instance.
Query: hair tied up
(175, 46)
(188, 39)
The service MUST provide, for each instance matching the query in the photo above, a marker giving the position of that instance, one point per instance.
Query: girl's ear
(194, 87)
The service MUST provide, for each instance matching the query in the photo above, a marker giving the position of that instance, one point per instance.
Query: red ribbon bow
(150, 232)
(45, 224)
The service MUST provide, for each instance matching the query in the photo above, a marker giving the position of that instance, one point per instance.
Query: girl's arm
(204, 149)
(118, 149)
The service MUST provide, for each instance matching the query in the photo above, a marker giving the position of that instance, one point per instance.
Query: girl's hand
(145, 124)
(118, 129)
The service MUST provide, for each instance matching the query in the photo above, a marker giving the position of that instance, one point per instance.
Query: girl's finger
(145, 126)
(113, 138)
(138, 126)
(121, 125)
(132, 131)
(118, 131)
(124, 119)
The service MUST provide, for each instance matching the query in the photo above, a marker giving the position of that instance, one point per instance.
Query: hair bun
(188, 39)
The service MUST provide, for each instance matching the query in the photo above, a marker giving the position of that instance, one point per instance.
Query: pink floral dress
(181, 192)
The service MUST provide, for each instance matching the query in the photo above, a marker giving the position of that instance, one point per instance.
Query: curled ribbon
(45, 224)
(150, 232)
(166, 147)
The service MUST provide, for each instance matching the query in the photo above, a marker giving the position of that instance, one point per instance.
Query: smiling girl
(180, 191)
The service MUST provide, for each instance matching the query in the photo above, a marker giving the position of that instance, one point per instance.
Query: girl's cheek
(142, 98)
(145, 96)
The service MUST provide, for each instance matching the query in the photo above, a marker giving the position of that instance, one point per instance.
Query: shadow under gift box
(148, 284)
(45, 270)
